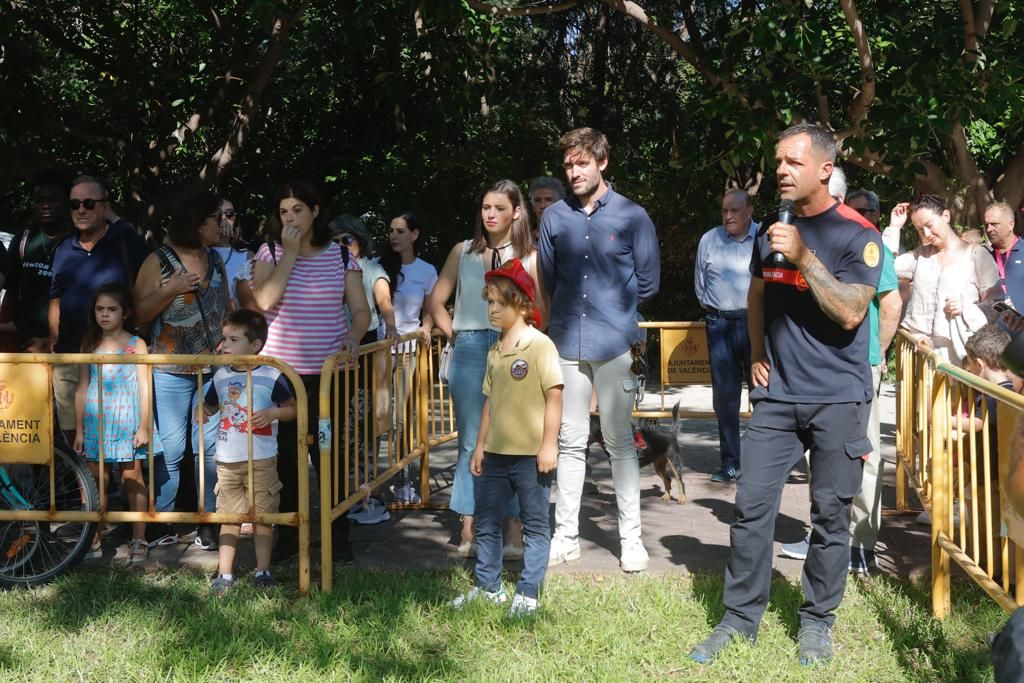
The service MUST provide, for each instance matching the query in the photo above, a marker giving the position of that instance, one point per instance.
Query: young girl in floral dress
(126, 428)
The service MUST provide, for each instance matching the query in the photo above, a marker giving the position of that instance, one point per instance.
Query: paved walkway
(680, 538)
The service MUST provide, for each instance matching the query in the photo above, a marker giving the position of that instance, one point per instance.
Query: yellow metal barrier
(945, 454)
(683, 360)
(389, 394)
(10, 362)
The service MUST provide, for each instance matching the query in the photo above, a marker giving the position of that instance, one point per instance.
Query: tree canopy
(418, 104)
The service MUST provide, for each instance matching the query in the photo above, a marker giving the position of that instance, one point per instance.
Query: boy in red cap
(517, 448)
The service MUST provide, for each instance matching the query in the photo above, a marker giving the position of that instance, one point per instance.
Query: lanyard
(1001, 261)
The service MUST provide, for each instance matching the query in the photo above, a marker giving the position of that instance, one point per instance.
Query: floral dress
(120, 413)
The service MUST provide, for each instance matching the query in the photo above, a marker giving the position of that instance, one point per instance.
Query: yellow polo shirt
(516, 382)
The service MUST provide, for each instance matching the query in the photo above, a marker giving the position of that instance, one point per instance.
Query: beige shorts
(65, 382)
(232, 487)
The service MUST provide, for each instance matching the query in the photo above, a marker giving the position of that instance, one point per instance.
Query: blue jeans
(465, 382)
(729, 351)
(176, 401)
(508, 477)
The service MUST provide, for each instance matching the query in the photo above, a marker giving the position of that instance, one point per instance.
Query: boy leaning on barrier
(245, 333)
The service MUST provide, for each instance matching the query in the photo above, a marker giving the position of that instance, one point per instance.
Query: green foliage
(418, 104)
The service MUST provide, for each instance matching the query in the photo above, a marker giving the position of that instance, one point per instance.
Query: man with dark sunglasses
(97, 252)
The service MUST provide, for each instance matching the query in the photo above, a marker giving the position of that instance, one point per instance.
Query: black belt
(738, 314)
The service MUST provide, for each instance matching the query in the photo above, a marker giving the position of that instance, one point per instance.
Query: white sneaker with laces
(522, 606)
(634, 556)
(497, 597)
(563, 550)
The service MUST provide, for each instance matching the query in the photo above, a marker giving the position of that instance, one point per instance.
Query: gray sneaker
(815, 644)
(220, 586)
(722, 636)
(798, 550)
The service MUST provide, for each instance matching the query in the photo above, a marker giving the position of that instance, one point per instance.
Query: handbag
(445, 366)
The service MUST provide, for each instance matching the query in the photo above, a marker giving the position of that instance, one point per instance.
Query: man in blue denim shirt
(598, 259)
(721, 278)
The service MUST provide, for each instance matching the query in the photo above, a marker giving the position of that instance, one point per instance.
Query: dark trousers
(505, 477)
(729, 354)
(776, 438)
(288, 460)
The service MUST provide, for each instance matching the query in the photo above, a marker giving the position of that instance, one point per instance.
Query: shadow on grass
(921, 643)
(783, 601)
(362, 628)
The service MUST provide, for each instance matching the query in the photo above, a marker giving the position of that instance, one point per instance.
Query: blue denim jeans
(506, 478)
(465, 382)
(176, 401)
(729, 351)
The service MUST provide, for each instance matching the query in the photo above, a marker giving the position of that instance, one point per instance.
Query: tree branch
(212, 18)
(488, 8)
(218, 165)
(1010, 186)
(968, 170)
(971, 46)
(866, 96)
(684, 49)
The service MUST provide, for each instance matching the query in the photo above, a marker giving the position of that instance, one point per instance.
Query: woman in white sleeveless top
(502, 232)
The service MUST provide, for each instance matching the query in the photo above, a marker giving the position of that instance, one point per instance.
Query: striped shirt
(309, 322)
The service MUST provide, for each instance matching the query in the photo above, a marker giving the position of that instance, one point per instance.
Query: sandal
(138, 551)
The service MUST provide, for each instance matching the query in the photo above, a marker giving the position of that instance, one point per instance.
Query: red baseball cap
(514, 271)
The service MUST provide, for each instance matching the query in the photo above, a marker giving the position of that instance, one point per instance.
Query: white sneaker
(522, 606)
(563, 550)
(498, 597)
(634, 556)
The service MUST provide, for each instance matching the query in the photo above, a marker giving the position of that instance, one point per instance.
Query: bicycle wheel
(31, 552)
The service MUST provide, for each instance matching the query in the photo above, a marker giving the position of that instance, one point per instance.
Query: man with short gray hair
(1006, 250)
(721, 278)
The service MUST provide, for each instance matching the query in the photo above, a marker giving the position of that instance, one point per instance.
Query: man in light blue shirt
(721, 278)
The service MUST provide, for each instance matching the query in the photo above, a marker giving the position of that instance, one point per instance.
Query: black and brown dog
(655, 446)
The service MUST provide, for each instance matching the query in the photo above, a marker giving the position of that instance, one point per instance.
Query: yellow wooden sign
(684, 355)
(26, 413)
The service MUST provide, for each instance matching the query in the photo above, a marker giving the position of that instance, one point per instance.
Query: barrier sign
(26, 413)
(684, 356)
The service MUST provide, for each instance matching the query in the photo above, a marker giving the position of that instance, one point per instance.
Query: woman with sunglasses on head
(948, 277)
(303, 284)
(182, 290)
(351, 233)
(502, 233)
(231, 247)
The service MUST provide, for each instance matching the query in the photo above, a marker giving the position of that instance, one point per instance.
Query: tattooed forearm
(844, 303)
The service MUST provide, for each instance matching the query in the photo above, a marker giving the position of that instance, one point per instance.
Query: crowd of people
(802, 307)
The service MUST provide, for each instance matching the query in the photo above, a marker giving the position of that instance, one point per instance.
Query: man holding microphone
(813, 276)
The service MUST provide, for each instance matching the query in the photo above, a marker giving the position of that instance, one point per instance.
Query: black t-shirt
(813, 359)
(28, 280)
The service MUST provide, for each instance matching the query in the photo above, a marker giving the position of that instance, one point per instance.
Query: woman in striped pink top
(302, 285)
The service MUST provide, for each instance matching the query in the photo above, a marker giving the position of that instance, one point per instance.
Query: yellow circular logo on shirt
(871, 254)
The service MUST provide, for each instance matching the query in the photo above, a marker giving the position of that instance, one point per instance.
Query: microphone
(785, 216)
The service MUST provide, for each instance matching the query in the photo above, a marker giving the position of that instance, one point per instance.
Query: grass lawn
(103, 624)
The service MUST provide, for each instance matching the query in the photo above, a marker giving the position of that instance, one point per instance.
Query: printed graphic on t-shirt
(234, 414)
(787, 276)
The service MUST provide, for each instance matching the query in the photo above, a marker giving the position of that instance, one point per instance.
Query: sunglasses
(864, 212)
(89, 204)
(346, 240)
(229, 213)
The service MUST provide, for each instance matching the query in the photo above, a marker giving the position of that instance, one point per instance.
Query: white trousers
(616, 391)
